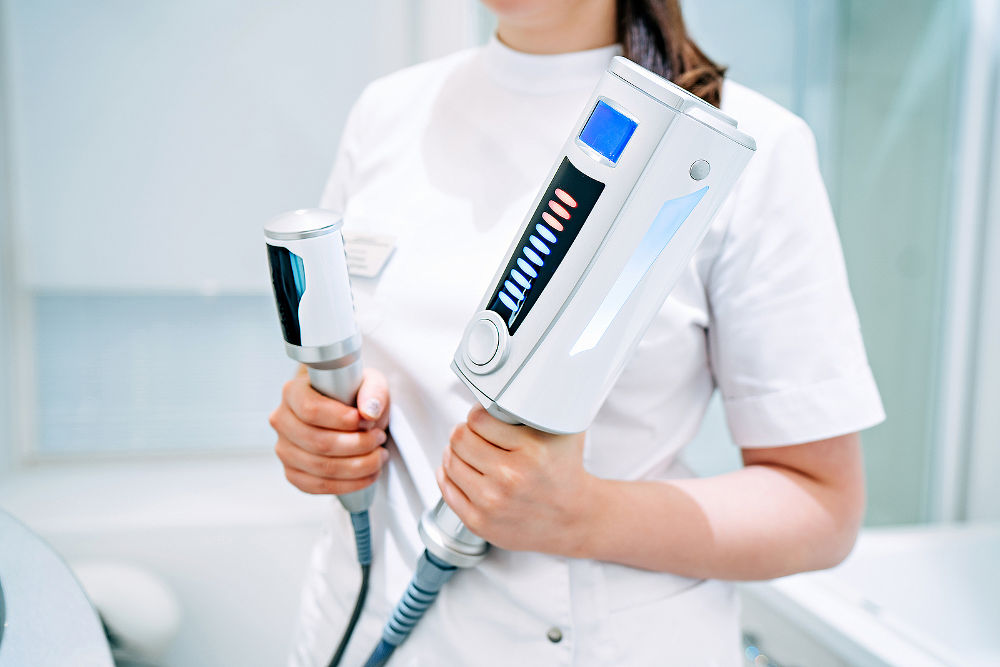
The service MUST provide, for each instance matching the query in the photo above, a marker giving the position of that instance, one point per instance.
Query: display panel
(553, 227)
(607, 131)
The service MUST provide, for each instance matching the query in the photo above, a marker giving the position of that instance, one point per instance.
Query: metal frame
(949, 469)
(981, 493)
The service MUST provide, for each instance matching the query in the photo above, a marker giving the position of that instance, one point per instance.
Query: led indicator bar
(554, 225)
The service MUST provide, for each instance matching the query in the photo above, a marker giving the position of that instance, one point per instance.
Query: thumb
(373, 395)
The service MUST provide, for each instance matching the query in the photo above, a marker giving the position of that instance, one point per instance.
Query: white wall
(151, 140)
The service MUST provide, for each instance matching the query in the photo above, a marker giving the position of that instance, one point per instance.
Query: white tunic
(446, 157)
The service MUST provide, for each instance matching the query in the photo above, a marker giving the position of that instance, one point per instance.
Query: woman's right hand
(328, 447)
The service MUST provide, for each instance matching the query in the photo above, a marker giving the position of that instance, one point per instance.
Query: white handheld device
(626, 204)
(312, 290)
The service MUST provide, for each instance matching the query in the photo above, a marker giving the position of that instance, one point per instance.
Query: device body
(312, 291)
(632, 209)
(625, 206)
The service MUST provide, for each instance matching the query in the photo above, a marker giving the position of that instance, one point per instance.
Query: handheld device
(312, 291)
(626, 204)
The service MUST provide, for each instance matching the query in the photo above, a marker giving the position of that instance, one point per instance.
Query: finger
(314, 408)
(458, 501)
(467, 479)
(321, 441)
(328, 467)
(491, 429)
(373, 397)
(316, 485)
(474, 450)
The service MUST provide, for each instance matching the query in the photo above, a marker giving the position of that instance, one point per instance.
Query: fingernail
(365, 424)
(381, 437)
(373, 408)
(384, 455)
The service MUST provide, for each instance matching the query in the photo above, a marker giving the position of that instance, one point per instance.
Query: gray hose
(432, 573)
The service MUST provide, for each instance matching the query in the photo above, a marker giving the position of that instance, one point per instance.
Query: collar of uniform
(542, 74)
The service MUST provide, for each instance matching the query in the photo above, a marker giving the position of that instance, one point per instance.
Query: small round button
(700, 169)
(554, 635)
(482, 342)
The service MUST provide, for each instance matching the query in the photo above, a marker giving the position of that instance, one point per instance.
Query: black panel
(512, 299)
(288, 280)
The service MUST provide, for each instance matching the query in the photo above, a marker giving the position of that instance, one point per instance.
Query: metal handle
(342, 384)
(445, 536)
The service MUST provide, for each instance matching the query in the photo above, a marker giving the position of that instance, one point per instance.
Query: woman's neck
(589, 25)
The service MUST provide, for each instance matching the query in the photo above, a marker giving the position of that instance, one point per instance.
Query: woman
(607, 550)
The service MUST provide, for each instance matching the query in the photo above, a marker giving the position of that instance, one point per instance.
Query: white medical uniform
(446, 157)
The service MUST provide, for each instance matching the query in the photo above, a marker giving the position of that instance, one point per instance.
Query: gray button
(483, 341)
(700, 169)
(554, 634)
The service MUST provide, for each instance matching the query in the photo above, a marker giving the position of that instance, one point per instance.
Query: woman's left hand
(517, 487)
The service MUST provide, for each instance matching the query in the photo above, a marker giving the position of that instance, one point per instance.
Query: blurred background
(143, 144)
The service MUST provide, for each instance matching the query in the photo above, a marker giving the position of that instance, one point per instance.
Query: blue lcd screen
(608, 131)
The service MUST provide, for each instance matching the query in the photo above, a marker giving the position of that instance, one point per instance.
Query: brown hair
(652, 34)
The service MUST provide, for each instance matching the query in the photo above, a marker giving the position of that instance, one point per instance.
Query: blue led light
(514, 291)
(542, 248)
(533, 256)
(516, 275)
(527, 268)
(507, 301)
(544, 232)
(607, 131)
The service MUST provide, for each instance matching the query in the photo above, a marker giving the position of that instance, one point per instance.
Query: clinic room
(475, 333)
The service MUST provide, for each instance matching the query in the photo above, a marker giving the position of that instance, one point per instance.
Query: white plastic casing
(542, 380)
(326, 311)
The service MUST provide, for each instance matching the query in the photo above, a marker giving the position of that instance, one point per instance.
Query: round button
(554, 635)
(700, 169)
(482, 342)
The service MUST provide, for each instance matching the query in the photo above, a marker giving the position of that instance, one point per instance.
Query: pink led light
(565, 198)
(553, 223)
(559, 210)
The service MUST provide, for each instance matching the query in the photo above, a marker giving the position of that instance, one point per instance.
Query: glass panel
(140, 373)
(897, 116)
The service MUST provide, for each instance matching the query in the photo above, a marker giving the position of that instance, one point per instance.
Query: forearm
(760, 522)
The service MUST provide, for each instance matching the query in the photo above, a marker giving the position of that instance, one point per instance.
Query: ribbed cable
(362, 536)
(432, 573)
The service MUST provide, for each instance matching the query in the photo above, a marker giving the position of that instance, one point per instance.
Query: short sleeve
(784, 339)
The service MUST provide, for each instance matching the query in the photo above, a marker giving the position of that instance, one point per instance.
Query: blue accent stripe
(666, 223)
(533, 256)
(527, 268)
(542, 248)
(545, 233)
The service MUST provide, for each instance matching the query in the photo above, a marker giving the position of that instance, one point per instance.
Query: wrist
(586, 525)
